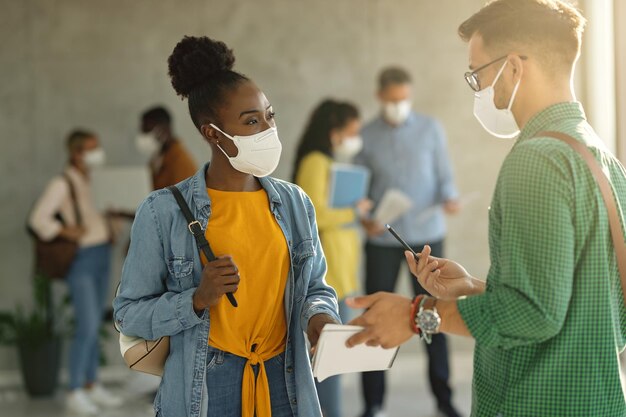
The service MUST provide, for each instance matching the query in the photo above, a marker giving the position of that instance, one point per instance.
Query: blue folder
(348, 184)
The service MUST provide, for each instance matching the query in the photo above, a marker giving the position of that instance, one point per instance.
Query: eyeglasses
(472, 76)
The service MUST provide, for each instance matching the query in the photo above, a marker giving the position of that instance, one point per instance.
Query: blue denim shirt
(163, 269)
(413, 158)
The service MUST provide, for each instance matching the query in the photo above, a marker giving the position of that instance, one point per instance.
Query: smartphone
(406, 245)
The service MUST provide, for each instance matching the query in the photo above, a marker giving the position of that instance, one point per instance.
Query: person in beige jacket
(88, 277)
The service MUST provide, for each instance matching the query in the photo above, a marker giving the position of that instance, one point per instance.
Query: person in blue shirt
(406, 151)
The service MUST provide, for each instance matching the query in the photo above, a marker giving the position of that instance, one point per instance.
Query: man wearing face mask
(549, 321)
(406, 151)
(170, 162)
(88, 277)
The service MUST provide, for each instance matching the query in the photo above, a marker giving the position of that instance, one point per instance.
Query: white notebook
(332, 357)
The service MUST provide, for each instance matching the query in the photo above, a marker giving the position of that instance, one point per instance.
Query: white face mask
(499, 122)
(147, 143)
(397, 112)
(258, 154)
(348, 148)
(94, 158)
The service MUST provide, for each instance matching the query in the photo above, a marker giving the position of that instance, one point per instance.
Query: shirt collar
(202, 199)
(408, 122)
(548, 116)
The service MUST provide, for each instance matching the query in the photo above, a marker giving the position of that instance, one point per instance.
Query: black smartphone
(406, 245)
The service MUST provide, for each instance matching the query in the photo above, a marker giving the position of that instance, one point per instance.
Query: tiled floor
(408, 392)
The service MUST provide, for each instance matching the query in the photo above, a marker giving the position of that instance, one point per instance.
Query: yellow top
(340, 242)
(242, 226)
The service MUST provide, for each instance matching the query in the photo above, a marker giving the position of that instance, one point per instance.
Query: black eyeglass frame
(473, 81)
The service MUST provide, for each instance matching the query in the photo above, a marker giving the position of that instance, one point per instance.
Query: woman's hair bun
(195, 60)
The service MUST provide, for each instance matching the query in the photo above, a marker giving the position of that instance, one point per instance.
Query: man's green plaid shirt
(552, 321)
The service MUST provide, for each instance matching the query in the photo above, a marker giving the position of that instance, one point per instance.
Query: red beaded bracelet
(414, 307)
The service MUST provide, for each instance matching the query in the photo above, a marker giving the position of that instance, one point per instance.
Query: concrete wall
(98, 64)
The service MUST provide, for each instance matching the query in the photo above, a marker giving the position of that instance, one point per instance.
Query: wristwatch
(427, 318)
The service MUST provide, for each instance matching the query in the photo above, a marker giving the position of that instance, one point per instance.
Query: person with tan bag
(236, 323)
(66, 211)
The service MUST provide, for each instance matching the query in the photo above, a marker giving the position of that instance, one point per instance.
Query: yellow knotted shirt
(242, 226)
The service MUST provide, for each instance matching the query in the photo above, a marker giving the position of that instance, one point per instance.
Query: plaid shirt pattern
(552, 321)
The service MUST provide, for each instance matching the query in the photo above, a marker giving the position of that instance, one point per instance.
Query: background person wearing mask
(550, 320)
(170, 162)
(406, 151)
(88, 277)
(332, 133)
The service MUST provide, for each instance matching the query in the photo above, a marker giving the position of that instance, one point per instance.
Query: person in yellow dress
(332, 134)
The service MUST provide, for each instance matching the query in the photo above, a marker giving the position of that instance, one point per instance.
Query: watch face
(428, 321)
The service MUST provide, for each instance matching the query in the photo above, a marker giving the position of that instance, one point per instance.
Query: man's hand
(452, 207)
(442, 278)
(218, 278)
(372, 227)
(386, 320)
(316, 324)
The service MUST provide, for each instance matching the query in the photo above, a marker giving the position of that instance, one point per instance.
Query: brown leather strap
(77, 215)
(607, 194)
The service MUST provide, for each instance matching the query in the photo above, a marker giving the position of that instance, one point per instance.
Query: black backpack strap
(195, 228)
(193, 225)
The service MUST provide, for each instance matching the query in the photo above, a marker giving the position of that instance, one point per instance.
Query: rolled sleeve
(42, 219)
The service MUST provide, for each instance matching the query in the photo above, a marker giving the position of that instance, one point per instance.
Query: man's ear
(517, 67)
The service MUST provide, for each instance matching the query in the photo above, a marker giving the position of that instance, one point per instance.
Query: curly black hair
(328, 115)
(201, 71)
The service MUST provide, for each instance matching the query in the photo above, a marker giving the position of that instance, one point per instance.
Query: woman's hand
(316, 324)
(72, 233)
(363, 208)
(442, 278)
(218, 278)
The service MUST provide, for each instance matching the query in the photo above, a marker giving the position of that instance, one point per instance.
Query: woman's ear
(210, 134)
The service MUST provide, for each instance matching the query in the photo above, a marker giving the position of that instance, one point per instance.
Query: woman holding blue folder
(332, 134)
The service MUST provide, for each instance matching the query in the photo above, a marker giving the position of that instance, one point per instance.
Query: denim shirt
(163, 269)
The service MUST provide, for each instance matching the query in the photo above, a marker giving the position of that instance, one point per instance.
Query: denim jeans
(88, 281)
(329, 391)
(224, 377)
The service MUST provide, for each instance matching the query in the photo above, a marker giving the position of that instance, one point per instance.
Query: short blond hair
(550, 30)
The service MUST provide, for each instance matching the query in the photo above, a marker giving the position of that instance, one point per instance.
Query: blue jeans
(329, 391)
(88, 281)
(224, 377)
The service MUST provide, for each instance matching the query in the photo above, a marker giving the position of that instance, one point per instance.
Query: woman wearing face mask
(225, 360)
(88, 277)
(333, 134)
